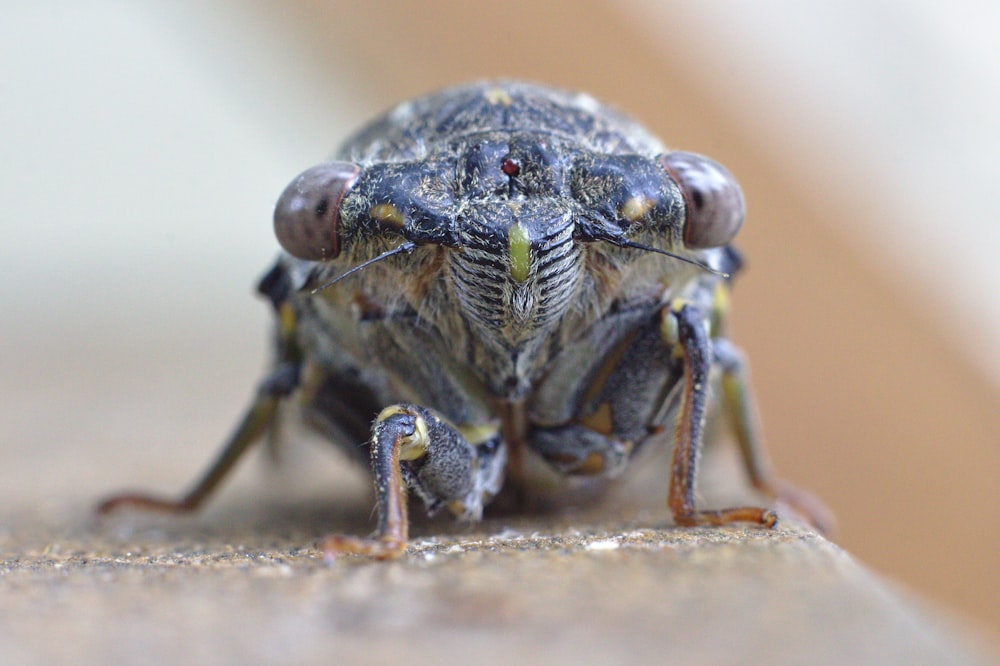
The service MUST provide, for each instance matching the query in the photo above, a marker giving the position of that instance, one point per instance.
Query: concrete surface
(243, 583)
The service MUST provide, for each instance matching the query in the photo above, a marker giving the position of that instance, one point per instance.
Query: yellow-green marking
(520, 252)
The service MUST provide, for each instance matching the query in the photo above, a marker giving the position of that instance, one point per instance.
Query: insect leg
(695, 347)
(738, 405)
(582, 450)
(413, 448)
(256, 422)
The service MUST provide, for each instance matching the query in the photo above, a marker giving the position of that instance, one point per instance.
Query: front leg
(414, 448)
(695, 347)
(662, 370)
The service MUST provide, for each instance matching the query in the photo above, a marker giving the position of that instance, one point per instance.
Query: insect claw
(377, 548)
(145, 503)
(805, 506)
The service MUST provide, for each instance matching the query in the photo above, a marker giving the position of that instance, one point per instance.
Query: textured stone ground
(243, 583)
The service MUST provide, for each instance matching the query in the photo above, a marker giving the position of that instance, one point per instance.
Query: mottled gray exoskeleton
(497, 271)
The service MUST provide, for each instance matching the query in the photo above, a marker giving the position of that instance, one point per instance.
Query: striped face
(517, 269)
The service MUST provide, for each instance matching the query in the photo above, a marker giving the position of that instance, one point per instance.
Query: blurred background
(145, 143)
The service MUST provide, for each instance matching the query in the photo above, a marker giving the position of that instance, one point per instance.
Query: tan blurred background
(144, 144)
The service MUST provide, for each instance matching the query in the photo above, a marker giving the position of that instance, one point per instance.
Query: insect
(496, 272)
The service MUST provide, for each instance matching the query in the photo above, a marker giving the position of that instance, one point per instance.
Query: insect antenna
(405, 248)
(621, 242)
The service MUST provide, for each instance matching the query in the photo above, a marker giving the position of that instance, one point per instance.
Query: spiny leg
(257, 421)
(737, 402)
(695, 348)
(413, 448)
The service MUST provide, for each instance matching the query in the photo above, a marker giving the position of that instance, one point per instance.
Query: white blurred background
(145, 142)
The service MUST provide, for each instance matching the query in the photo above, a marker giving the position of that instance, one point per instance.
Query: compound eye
(712, 197)
(307, 215)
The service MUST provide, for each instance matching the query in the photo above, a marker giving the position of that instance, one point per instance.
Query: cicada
(496, 273)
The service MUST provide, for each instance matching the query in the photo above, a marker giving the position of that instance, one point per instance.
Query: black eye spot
(323, 207)
(698, 199)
